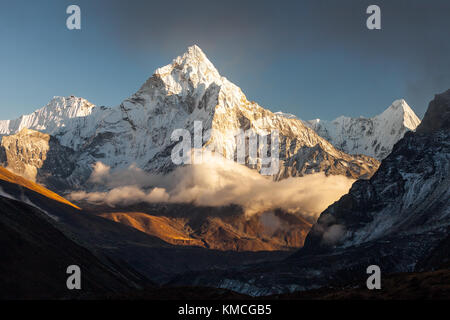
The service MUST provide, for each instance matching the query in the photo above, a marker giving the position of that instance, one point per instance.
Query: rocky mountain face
(437, 116)
(375, 136)
(138, 131)
(38, 157)
(399, 220)
(409, 194)
(224, 228)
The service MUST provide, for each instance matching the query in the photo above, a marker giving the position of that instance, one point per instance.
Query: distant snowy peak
(401, 112)
(375, 136)
(50, 118)
(408, 197)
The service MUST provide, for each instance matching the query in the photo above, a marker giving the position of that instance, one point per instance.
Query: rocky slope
(138, 131)
(36, 249)
(214, 228)
(138, 255)
(398, 220)
(410, 193)
(35, 256)
(375, 136)
(40, 157)
(433, 285)
(8, 176)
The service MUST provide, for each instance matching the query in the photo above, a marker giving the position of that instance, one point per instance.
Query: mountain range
(375, 136)
(60, 144)
(75, 134)
(399, 220)
(396, 214)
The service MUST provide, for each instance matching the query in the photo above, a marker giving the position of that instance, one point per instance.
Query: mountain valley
(97, 186)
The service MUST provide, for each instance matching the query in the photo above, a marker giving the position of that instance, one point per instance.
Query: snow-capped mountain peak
(375, 136)
(138, 131)
(409, 194)
(401, 111)
(194, 60)
(51, 117)
(191, 70)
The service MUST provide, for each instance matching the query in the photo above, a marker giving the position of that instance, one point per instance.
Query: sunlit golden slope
(169, 230)
(8, 176)
(233, 232)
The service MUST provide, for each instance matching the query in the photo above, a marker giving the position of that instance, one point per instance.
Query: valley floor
(434, 285)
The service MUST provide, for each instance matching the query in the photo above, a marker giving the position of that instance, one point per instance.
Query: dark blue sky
(315, 59)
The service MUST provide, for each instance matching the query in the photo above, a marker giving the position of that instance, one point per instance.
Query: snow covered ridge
(51, 117)
(247, 144)
(375, 136)
(286, 115)
(137, 132)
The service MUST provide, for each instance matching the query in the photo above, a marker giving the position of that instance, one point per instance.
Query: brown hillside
(8, 176)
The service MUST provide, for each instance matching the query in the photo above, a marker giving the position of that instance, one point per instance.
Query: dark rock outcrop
(437, 116)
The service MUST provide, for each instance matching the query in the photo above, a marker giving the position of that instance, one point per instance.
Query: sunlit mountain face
(99, 187)
(397, 220)
(8, 176)
(120, 157)
(117, 162)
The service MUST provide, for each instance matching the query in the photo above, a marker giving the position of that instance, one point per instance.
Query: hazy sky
(315, 59)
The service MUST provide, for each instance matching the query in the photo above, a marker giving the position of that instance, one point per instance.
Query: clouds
(126, 195)
(333, 234)
(99, 173)
(218, 183)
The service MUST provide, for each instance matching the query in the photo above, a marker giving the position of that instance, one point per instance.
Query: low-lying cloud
(217, 183)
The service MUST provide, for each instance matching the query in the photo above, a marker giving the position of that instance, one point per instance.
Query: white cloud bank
(217, 183)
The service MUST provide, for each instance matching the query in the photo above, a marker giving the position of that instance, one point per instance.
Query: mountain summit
(193, 65)
(138, 131)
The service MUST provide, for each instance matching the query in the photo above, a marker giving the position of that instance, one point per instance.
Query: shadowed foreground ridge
(36, 255)
(42, 237)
